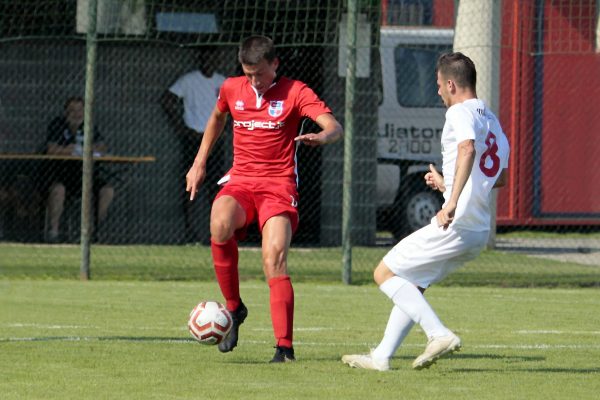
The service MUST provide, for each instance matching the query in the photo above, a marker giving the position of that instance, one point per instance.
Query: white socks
(396, 330)
(409, 299)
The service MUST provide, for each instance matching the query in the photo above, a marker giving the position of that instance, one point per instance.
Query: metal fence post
(88, 134)
(348, 144)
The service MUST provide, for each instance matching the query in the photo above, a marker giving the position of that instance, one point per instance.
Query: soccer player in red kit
(261, 186)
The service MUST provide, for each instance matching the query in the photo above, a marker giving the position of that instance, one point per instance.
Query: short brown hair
(256, 48)
(73, 99)
(459, 68)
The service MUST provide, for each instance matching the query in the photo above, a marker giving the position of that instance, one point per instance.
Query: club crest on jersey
(239, 105)
(275, 108)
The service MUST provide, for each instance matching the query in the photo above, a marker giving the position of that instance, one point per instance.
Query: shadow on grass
(497, 357)
(156, 339)
(482, 357)
(534, 370)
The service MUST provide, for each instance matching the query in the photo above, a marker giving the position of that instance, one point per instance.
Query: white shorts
(431, 253)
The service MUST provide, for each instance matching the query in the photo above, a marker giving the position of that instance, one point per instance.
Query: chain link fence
(538, 72)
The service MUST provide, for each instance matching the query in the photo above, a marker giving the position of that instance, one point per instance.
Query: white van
(411, 118)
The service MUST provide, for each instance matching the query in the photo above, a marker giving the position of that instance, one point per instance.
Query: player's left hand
(434, 179)
(310, 139)
(445, 216)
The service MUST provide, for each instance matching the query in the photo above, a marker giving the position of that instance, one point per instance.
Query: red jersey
(264, 127)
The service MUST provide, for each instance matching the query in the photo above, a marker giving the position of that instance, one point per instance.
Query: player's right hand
(194, 179)
(446, 215)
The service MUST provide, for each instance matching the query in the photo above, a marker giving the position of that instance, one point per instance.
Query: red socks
(282, 309)
(225, 259)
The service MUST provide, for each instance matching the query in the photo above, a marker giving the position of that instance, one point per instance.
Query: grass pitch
(194, 263)
(64, 339)
(530, 328)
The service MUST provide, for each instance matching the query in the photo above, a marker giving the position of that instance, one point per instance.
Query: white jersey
(472, 120)
(199, 95)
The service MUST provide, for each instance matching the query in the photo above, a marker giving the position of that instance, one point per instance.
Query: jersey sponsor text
(252, 124)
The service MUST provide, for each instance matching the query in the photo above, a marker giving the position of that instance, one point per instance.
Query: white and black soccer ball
(209, 322)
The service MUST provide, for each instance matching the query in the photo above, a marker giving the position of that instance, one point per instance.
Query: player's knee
(382, 273)
(220, 230)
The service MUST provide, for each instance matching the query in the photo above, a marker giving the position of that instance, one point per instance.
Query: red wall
(554, 166)
(443, 13)
(570, 148)
(516, 100)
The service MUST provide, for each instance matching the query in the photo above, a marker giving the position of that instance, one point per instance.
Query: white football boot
(366, 361)
(437, 347)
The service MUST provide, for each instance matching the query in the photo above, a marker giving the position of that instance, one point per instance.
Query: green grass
(529, 327)
(554, 233)
(193, 263)
(65, 339)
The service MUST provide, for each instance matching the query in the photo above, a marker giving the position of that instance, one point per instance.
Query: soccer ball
(209, 322)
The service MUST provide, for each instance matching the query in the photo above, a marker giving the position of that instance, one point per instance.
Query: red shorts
(263, 198)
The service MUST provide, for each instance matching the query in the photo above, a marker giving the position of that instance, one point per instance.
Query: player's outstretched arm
(331, 131)
(197, 173)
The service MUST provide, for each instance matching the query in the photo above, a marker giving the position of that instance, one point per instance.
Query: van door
(411, 118)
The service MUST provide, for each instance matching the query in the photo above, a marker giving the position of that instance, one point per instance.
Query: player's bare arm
(434, 179)
(331, 131)
(464, 164)
(197, 173)
(502, 179)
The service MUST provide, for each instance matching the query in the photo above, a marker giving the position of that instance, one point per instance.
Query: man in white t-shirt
(188, 104)
(475, 158)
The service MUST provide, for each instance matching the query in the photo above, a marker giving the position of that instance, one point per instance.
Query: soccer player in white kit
(475, 157)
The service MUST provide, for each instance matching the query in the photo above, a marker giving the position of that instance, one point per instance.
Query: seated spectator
(65, 137)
